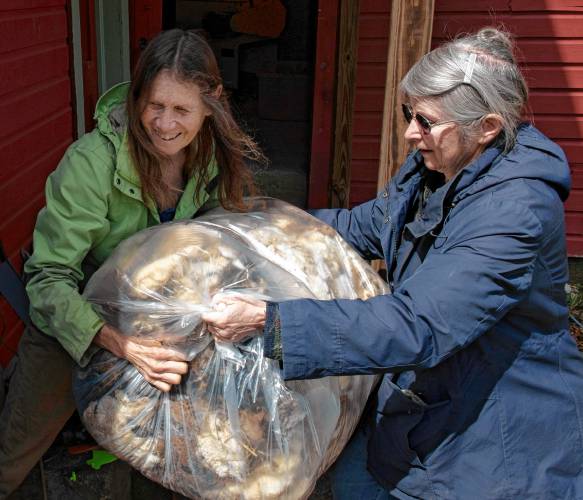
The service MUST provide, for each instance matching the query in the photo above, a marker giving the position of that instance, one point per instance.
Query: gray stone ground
(69, 477)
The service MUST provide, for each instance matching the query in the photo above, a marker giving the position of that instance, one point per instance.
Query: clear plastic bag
(233, 428)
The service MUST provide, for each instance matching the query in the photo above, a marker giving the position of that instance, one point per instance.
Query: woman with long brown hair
(165, 147)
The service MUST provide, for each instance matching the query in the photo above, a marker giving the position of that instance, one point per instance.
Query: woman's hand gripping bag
(233, 428)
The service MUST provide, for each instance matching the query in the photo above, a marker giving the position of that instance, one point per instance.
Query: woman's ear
(491, 126)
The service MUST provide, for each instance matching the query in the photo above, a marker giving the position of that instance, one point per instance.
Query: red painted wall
(549, 35)
(36, 124)
(373, 30)
(145, 23)
(550, 38)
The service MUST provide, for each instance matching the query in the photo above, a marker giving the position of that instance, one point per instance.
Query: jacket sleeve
(73, 220)
(360, 226)
(458, 293)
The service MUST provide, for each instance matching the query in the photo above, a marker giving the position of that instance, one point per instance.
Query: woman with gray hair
(482, 387)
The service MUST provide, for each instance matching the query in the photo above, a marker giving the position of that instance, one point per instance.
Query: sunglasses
(424, 123)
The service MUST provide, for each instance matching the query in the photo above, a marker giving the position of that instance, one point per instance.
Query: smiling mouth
(166, 138)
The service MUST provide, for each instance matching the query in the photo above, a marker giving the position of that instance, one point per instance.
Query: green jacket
(93, 202)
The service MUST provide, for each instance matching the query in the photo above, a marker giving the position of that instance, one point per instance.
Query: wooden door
(145, 23)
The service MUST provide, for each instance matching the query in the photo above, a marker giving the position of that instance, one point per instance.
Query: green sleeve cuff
(85, 350)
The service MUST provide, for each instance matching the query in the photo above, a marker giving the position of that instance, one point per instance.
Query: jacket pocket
(409, 421)
(431, 432)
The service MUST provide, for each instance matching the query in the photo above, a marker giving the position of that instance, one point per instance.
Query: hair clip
(470, 67)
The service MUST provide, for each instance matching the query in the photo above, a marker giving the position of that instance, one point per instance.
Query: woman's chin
(429, 164)
(171, 151)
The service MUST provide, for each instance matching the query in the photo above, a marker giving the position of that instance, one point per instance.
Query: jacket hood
(110, 113)
(534, 156)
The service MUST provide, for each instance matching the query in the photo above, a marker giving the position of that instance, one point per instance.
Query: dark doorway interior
(269, 77)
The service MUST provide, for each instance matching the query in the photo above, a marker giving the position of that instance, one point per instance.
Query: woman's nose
(165, 120)
(413, 131)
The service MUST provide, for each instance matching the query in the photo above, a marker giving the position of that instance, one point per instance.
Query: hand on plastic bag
(160, 366)
(235, 317)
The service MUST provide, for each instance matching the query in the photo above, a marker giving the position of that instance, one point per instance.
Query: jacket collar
(534, 156)
(111, 120)
(445, 197)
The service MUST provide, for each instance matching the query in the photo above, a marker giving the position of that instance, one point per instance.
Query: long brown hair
(189, 57)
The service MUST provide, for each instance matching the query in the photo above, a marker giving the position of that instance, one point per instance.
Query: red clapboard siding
(371, 75)
(36, 124)
(577, 175)
(17, 232)
(360, 191)
(573, 148)
(375, 7)
(574, 245)
(10, 337)
(373, 31)
(366, 147)
(32, 29)
(554, 76)
(543, 51)
(18, 5)
(373, 26)
(369, 99)
(21, 151)
(554, 102)
(365, 168)
(27, 108)
(574, 204)
(463, 6)
(547, 5)
(574, 223)
(30, 183)
(560, 126)
(34, 67)
(541, 24)
(367, 122)
(372, 50)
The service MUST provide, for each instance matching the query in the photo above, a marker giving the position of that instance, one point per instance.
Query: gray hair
(470, 77)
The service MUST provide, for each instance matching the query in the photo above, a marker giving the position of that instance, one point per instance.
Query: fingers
(160, 366)
(164, 380)
(223, 299)
(159, 384)
(161, 369)
(230, 334)
(213, 318)
(162, 386)
(152, 348)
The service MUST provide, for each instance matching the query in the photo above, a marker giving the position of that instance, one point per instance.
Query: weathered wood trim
(345, 90)
(323, 104)
(409, 39)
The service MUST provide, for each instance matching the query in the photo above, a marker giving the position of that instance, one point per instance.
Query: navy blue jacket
(482, 393)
